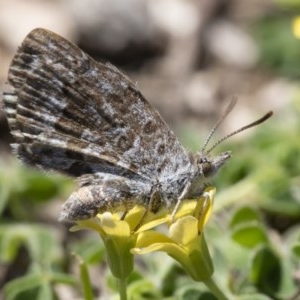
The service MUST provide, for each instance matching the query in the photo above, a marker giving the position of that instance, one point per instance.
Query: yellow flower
(118, 239)
(119, 235)
(124, 237)
(185, 242)
(296, 27)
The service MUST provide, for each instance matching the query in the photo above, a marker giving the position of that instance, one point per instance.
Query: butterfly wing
(72, 114)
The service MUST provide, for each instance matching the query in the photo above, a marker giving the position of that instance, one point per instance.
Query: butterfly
(71, 114)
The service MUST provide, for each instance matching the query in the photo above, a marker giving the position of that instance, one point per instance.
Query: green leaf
(22, 284)
(90, 250)
(143, 289)
(250, 235)
(296, 249)
(194, 291)
(266, 271)
(45, 292)
(244, 215)
(40, 241)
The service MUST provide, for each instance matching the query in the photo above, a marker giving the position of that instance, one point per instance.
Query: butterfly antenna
(257, 122)
(224, 115)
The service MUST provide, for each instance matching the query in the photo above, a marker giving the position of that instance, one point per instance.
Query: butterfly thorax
(190, 185)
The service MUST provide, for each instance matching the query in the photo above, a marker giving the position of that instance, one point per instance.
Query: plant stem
(85, 280)
(123, 288)
(215, 289)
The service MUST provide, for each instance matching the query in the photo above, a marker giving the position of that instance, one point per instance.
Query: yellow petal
(153, 222)
(88, 224)
(172, 249)
(204, 207)
(187, 208)
(150, 237)
(134, 216)
(114, 227)
(184, 230)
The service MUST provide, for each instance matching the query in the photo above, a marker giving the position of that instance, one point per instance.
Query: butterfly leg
(124, 215)
(151, 206)
(179, 200)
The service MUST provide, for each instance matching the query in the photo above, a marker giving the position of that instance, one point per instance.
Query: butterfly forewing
(72, 114)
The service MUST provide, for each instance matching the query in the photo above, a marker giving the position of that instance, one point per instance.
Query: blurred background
(189, 58)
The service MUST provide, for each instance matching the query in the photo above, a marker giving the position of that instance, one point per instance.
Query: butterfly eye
(206, 168)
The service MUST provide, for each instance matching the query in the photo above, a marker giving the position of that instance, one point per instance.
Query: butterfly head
(207, 166)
